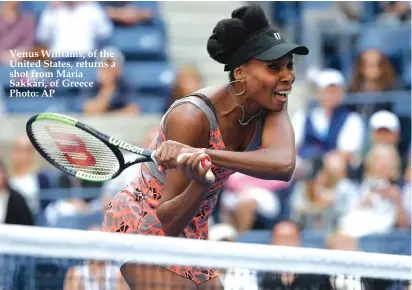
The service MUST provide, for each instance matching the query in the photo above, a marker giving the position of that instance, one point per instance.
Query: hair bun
(229, 34)
(253, 17)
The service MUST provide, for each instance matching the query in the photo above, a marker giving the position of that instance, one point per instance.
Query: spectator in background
(3, 108)
(248, 201)
(94, 274)
(236, 278)
(342, 242)
(223, 232)
(188, 80)
(394, 12)
(373, 72)
(407, 191)
(62, 208)
(384, 128)
(379, 207)
(17, 30)
(24, 176)
(66, 208)
(73, 26)
(126, 13)
(13, 206)
(113, 94)
(320, 202)
(321, 21)
(287, 233)
(328, 126)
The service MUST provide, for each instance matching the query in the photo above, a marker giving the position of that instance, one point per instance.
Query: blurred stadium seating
(141, 43)
(150, 73)
(147, 67)
(397, 242)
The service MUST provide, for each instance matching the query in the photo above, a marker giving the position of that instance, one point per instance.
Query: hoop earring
(238, 94)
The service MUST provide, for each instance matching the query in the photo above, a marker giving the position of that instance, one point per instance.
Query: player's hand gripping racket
(83, 152)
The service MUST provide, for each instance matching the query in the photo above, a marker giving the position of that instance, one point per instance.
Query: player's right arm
(182, 197)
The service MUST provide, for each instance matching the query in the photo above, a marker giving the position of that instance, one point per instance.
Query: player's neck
(230, 107)
(226, 108)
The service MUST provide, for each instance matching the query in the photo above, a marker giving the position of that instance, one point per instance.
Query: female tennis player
(243, 126)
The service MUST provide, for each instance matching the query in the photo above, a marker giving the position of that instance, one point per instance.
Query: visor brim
(280, 50)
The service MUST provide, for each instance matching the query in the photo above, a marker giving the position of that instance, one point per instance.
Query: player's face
(268, 83)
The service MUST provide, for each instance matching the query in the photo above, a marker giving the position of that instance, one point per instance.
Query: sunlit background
(351, 188)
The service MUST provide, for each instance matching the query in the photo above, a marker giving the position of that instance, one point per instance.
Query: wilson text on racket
(124, 145)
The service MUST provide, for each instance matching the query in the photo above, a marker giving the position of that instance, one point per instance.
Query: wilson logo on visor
(277, 36)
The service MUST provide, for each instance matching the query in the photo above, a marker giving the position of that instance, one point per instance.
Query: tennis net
(49, 258)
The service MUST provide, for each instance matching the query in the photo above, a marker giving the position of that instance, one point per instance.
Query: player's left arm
(277, 158)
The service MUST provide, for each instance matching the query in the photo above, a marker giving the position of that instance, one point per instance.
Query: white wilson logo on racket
(124, 145)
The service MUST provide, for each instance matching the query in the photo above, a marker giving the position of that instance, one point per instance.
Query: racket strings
(74, 149)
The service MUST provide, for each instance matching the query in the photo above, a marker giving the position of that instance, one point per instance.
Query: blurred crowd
(352, 178)
(138, 78)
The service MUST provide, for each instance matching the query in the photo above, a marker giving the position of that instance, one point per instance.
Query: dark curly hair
(229, 34)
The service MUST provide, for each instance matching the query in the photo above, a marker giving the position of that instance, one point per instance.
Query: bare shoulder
(187, 111)
(187, 124)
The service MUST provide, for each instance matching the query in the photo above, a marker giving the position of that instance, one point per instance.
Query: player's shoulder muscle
(187, 124)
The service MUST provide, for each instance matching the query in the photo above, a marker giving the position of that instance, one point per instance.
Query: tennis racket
(83, 152)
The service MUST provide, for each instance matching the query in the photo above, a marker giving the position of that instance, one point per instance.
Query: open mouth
(282, 95)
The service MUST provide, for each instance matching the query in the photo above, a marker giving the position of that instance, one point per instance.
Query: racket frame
(143, 155)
